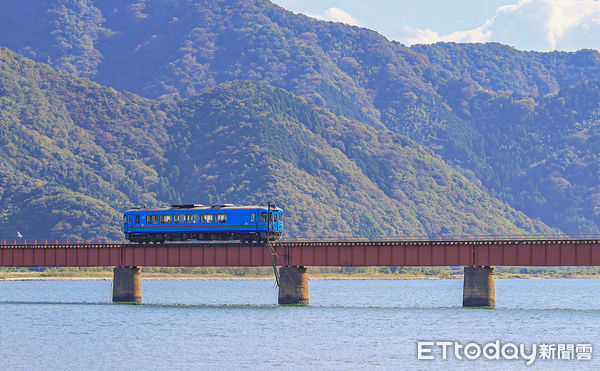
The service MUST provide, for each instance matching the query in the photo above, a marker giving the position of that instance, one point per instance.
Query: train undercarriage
(227, 236)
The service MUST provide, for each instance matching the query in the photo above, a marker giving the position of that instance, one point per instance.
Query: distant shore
(152, 276)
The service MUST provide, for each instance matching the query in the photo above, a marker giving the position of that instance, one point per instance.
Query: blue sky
(541, 25)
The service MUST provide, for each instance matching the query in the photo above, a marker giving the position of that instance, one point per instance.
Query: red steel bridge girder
(356, 253)
(546, 253)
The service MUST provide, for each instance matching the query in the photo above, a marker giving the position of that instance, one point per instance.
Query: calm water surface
(235, 324)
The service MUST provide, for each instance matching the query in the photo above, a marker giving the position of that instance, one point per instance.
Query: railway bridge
(478, 254)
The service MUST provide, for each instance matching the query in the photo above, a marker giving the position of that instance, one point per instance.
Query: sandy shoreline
(213, 278)
(314, 278)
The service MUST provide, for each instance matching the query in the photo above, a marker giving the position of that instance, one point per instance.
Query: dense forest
(243, 101)
(74, 154)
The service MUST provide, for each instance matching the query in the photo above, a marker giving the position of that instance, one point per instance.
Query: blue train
(204, 223)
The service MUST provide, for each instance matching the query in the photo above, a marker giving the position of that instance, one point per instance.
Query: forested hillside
(520, 125)
(501, 68)
(74, 154)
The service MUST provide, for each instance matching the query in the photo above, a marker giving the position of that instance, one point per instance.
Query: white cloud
(542, 25)
(412, 35)
(336, 15)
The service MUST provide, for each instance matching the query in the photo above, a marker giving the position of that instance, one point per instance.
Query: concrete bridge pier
(478, 289)
(293, 285)
(127, 285)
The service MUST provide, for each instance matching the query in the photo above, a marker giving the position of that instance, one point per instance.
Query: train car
(203, 223)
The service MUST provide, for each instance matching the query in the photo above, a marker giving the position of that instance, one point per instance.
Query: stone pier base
(127, 285)
(478, 290)
(293, 285)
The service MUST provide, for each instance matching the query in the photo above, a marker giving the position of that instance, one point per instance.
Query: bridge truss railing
(464, 237)
(54, 242)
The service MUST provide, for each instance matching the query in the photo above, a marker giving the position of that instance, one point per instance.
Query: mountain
(75, 154)
(484, 108)
(501, 68)
(544, 152)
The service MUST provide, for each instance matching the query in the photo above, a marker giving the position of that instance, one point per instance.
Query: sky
(540, 25)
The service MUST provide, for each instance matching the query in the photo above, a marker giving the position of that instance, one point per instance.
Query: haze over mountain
(519, 126)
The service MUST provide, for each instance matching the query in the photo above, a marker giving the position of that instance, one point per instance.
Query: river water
(216, 324)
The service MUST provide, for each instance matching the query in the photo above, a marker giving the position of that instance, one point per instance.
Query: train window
(179, 218)
(192, 218)
(263, 217)
(151, 219)
(137, 219)
(124, 219)
(206, 218)
(252, 217)
(275, 220)
(220, 218)
(165, 218)
(129, 219)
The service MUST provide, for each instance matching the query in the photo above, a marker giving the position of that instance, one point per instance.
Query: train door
(275, 219)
